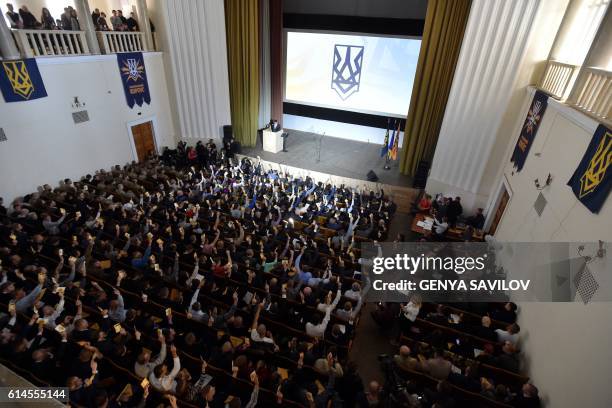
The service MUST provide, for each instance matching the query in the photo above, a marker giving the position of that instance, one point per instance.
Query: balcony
(587, 89)
(593, 93)
(113, 42)
(558, 78)
(42, 43)
(51, 43)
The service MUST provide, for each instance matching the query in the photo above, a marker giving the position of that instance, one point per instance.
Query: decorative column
(144, 23)
(492, 54)
(7, 44)
(86, 23)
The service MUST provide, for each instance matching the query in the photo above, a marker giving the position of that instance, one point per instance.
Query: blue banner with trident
(20, 81)
(134, 78)
(592, 180)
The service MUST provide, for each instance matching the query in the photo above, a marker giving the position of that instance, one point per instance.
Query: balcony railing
(42, 43)
(558, 78)
(112, 42)
(593, 93)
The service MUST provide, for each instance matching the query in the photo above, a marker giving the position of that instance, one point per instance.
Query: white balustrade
(112, 42)
(557, 79)
(44, 43)
(593, 93)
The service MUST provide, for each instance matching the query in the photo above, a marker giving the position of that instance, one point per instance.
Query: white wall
(566, 345)
(44, 145)
(108, 6)
(562, 139)
(56, 8)
(366, 134)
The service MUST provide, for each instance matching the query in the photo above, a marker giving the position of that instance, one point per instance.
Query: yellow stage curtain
(442, 36)
(242, 31)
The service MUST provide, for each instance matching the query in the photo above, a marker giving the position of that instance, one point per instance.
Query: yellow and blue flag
(20, 81)
(395, 145)
(592, 180)
(390, 144)
(385, 146)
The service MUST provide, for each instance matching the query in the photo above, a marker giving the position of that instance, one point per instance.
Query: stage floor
(345, 158)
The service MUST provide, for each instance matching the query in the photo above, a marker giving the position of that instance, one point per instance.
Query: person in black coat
(454, 210)
(477, 221)
(132, 24)
(29, 21)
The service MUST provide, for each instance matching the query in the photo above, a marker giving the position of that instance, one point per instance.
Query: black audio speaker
(227, 133)
(372, 176)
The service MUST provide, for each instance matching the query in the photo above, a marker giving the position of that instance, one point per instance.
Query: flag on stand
(390, 145)
(385, 147)
(394, 147)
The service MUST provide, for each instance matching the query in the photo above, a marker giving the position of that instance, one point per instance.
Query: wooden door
(143, 140)
(501, 207)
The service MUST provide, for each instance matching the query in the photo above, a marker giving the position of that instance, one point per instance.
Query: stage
(332, 155)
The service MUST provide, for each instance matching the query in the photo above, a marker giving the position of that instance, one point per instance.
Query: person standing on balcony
(95, 16)
(47, 20)
(116, 21)
(29, 21)
(13, 17)
(132, 24)
(65, 19)
(102, 25)
(74, 21)
(124, 22)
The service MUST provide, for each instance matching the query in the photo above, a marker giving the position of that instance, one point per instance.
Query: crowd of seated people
(166, 283)
(467, 350)
(472, 347)
(24, 19)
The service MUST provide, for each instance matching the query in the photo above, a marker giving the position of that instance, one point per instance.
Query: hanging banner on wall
(20, 81)
(134, 78)
(529, 129)
(592, 180)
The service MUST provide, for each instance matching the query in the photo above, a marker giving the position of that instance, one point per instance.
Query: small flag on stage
(393, 151)
(390, 145)
(592, 180)
(385, 147)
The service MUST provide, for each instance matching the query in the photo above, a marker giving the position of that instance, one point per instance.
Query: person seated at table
(468, 234)
(424, 204)
(440, 227)
(477, 220)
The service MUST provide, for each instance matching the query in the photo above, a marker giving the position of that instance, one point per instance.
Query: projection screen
(352, 72)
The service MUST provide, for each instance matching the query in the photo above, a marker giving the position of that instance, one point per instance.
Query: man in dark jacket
(132, 24)
(454, 210)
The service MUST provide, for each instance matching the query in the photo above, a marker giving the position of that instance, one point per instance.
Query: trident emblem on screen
(346, 69)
